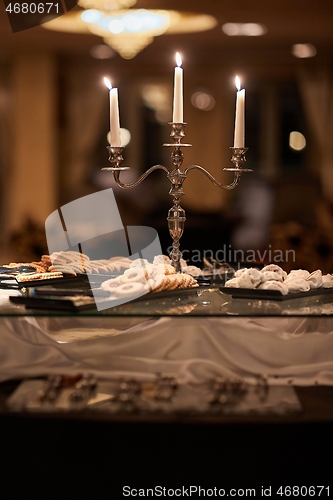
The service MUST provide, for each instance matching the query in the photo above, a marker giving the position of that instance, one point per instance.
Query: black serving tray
(52, 303)
(67, 280)
(63, 300)
(253, 293)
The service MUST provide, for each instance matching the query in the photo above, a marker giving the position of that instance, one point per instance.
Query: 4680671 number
(303, 491)
(32, 8)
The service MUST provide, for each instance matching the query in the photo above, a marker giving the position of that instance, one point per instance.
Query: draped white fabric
(296, 351)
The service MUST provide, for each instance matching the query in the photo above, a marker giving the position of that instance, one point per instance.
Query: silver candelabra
(176, 215)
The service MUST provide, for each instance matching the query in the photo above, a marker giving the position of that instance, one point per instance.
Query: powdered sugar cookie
(129, 289)
(275, 269)
(111, 285)
(134, 275)
(151, 270)
(239, 272)
(270, 276)
(297, 284)
(315, 279)
(328, 281)
(250, 278)
(274, 285)
(232, 283)
(162, 259)
(192, 270)
(298, 273)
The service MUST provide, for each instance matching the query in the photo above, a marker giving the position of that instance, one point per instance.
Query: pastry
(161, 259)
(192, 270)
(271, 276)
(328, 281)
(299, 273)
(274, 285)
(296, 284)
(239, 272)
(232, 283)
(315, 279)
(37, 276)
(250, 278)
(275, 269)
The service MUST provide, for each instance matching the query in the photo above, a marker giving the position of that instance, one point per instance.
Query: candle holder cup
(176, 215)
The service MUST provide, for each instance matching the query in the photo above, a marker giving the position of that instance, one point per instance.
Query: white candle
(239, 137)
(114, 115)
(177, 116)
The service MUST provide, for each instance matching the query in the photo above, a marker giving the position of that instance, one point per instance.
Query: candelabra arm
(130, 185)
(116, 157)
(232, 185)
(176, 215)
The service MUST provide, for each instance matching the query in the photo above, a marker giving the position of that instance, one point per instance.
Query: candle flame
(237, 82)
(107, 83)
(178, 60)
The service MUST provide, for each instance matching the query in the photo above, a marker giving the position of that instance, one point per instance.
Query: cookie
(21, 278)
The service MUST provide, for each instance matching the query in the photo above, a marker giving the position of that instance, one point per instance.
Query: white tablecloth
(296, 351)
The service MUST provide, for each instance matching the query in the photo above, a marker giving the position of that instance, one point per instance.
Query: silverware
(84, 389)
(49, 394)
(227, 392)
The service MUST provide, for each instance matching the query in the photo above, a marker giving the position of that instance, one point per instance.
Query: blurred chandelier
(128, 31)
(106, 5)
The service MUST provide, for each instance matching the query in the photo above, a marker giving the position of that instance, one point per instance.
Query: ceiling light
(106, 5)
(297, 141)
(130, 31)
(303, 50)
(118, 28)
(244, 29)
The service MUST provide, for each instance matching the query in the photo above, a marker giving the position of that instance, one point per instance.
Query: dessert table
(195, 334)
(275, 433)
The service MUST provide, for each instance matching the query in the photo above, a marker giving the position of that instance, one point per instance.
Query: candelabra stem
(176, 215)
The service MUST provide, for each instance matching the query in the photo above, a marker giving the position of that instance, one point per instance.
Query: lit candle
(239, 137)
(114, 115)
(177, 116)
